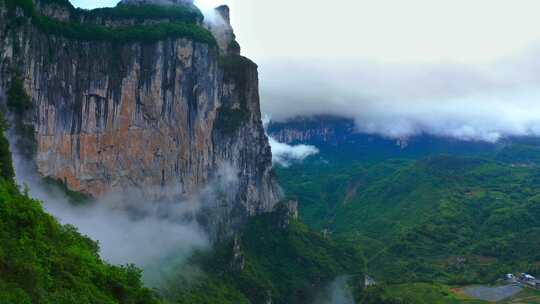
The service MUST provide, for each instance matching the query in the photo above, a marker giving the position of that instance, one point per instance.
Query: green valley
(454, 220)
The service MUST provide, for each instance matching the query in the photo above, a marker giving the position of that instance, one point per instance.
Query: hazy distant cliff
(137, 97)
(313, 130)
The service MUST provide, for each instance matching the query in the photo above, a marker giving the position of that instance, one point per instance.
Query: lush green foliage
(236, 68)
(203, 288)
(184, 13)
(19, 103)
(523, 153)
(92, 32)
(289, 264)
(229, 120)
(44, 262)
(62, 3)
(446, 219)
(178, 13)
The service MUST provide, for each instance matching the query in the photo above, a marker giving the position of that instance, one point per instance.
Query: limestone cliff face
(158, 117)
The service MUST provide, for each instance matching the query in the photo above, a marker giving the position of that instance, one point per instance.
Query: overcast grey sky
(381, 30)
(464, 68)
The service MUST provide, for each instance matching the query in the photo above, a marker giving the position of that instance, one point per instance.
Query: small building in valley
(369, 281)
(528, 279)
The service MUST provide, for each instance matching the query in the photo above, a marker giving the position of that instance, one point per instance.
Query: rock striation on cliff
(155, 104)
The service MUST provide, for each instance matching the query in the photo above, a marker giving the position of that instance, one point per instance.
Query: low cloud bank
(481, 102)
(284, 154)
(150, 236)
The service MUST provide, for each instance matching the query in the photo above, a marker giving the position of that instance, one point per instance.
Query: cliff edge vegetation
(184, 22)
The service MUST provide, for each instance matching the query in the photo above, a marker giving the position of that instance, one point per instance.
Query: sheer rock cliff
(157, 116)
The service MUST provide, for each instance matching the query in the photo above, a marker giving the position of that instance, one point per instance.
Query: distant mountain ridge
(311, 130)
(338, 137)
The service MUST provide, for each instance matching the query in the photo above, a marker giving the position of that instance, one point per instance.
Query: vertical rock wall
(159, 118)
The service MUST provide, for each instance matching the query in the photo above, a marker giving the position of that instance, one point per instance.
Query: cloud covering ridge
(469, 102)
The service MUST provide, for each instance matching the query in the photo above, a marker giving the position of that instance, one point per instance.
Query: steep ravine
(156, 117)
